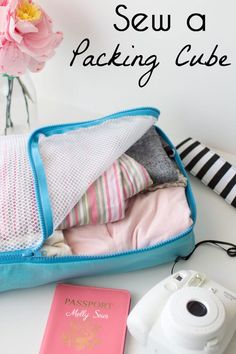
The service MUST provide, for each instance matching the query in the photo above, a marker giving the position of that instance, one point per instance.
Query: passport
(86, 320)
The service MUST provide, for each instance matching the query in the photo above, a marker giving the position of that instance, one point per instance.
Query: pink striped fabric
(105, 199)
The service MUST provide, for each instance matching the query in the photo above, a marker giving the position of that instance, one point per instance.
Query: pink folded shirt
(105, 199)
(150, 218)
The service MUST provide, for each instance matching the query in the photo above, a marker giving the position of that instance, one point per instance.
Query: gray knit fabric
(149, 152)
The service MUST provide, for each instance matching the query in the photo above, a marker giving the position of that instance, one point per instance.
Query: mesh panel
(72, 162)
(19, 221)
(76, 159)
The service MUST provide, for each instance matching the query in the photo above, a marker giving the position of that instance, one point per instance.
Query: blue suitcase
(21, 264)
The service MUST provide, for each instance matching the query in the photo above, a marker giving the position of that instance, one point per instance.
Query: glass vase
(18, 104)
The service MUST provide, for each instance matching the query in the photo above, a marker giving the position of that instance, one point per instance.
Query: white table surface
(23, 313)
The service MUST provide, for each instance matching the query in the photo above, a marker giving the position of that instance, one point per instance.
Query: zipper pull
(31, 254)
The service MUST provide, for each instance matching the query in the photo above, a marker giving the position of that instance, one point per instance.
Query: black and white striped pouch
(210, 168)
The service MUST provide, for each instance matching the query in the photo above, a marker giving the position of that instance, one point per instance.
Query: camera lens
(196, 308)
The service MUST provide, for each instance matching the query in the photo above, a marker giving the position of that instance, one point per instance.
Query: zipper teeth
(40, 259)
(126, 113)
(124, 253)
(40, 213)
(155, 112)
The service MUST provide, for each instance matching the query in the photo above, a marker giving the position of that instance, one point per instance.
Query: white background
(194, 101)
(200, 100)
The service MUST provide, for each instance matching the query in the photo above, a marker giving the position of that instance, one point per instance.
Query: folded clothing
(105, 200)
(181, 182)
(150, 153)
(56, 245)
(150, 218)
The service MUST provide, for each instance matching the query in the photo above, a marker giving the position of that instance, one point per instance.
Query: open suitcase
(43, 176)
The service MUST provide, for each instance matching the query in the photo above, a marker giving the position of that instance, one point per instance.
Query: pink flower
(27, 39)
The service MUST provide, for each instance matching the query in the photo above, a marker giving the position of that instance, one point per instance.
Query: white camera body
(185, 314)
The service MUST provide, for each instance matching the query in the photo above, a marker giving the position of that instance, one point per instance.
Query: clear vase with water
(18, 104)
